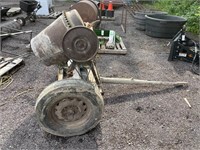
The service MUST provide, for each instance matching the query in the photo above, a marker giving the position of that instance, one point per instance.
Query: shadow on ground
(28, 135)
(126, 97)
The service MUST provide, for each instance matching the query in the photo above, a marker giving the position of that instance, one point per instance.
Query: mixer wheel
(69, 107)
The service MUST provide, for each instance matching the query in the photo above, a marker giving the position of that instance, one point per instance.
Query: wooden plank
(5, 61)
(95, 73)
(60, 74)
(103, 46)
(122, 44)
(103, 37)
(2, 64)
(10, 66)
(117, 46)
(91, 77)
(106, 51)
(104, 18)
(97, 87)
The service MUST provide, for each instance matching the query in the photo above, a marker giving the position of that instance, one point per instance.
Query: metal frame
(90, 74)
(124, 20)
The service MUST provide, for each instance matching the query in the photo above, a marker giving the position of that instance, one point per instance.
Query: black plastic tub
(139, 18)
(4, 11)
(163, 26)
(28, 5)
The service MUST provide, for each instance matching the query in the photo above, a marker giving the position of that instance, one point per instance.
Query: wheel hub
(71, 109)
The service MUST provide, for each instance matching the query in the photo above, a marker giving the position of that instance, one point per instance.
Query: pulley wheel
(80, 44)
(48, 44)
(87, 10)
(69, 107)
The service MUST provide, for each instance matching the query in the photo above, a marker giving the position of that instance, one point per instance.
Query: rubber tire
(58, 91)
(22, 21)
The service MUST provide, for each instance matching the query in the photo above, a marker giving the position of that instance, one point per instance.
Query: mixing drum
(87, 9)
(66, 38)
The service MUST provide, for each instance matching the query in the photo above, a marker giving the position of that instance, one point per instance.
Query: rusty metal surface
(88, 10)
(71, 109)
(73, 18)
(47, 45)
(80, 44)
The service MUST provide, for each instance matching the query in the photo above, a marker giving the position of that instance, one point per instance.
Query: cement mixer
(73, 105)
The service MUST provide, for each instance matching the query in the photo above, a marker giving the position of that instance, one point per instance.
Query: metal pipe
(140, 82)
(16, 33)
(10, 27)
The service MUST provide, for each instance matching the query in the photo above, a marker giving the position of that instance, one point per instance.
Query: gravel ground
(135, 117)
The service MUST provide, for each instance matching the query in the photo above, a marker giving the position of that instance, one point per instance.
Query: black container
(163, 26)
(110, 13)
(28, 5)
(103, 12)
(139, 18)
(4, 11)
